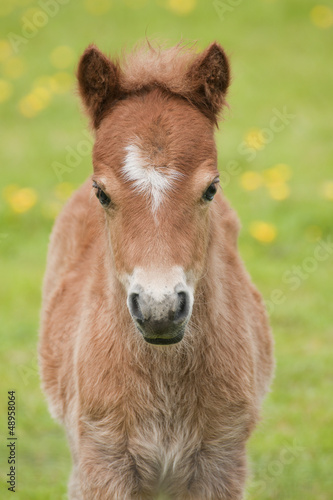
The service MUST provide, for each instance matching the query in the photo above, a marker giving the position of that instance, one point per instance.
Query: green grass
(280, 58)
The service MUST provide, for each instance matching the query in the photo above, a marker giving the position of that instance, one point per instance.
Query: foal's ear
(98, 79)
(210, 78)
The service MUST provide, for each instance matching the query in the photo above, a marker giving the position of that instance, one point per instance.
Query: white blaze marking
(145, 177)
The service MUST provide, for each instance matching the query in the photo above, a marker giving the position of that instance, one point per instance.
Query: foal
(155, 350)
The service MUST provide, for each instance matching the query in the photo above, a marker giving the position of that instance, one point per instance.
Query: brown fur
(140, 418)
(202, 80)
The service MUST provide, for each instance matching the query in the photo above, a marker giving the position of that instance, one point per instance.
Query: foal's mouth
(165, 341)
(168, 338)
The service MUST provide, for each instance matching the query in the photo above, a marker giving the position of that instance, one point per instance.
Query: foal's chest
(161, 451)
(165, 434)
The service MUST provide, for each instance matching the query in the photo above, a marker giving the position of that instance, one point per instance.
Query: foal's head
(155, 173)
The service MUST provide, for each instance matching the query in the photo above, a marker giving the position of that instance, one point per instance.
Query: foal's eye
(210, 192)
(103, 198)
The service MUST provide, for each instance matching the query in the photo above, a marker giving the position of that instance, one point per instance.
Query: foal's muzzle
(161, 321)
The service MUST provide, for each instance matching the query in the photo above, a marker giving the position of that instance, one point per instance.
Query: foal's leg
(107, 470)
(74, 490)
(111, 488)
(213, 473)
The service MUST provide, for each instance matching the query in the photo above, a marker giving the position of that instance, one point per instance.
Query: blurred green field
(277, 173)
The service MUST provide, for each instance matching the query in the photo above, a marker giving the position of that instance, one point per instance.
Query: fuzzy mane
(152, 65)
(149, 65)
(200, 78)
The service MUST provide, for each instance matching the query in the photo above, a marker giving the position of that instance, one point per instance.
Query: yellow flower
(275, 179)
(48, 82)
(9, 190)
(181, 7)
(32, 104)
(63, 82)
(313, 233)
(6, 90)
(51, 209)
(63, 190)
(30, 13)
(5, 50)
(254, 139)
(263, 231)
(21, 200)
(42, 94)
(14, 67)
(327, 190)
(279, 191)
(62, 57)
(97, 7)
(277, 174)
(251, 180)
(322, 16)
(36, 101)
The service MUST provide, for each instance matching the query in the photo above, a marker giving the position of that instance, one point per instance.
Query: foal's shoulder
(76, 220)
(73, 234)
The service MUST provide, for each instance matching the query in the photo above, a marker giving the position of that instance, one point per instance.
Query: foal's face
(155, 175)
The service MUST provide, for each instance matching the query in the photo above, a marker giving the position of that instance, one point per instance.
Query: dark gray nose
(160, 322)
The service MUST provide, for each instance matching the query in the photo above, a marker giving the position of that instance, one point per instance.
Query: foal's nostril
(182, 307)
(135, 307)
(161, 316)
